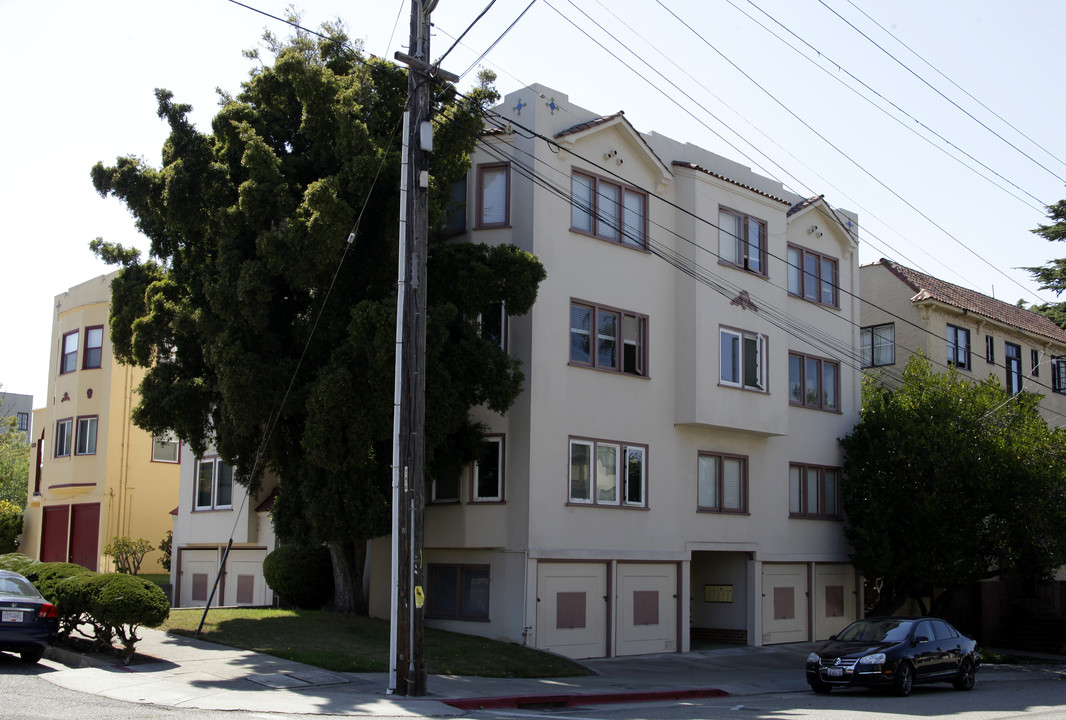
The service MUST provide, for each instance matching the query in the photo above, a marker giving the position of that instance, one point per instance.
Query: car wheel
(820, 687)
(32, 657)
(904, 679)
(966, 675)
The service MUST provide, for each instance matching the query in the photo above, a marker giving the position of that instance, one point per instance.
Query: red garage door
(85, 534)
(54, 533)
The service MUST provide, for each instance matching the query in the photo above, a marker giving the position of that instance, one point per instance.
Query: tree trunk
(349, 563)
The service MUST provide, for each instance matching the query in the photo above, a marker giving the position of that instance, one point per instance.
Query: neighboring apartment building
(904, 310)
(211, 509)
(671, 471)
(19, 407)
(96, 475)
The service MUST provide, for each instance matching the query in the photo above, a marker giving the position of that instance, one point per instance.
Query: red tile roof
(712, 173)
(927, 287)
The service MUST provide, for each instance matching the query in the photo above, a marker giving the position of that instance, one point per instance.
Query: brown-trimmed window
(1058, 375)
(959, 347)
(813, 382)
(722, 483)
(85, 440)
(1034, 363)
(742, 241)
(63, 437)
(493, 195)
(459, 592)
(603, 472)
(1013, 358)
(742, 359)
(608, 339)
(94, 347)
(813, 492)
(608, 210)
(878, 345)
(813, 276)
(68, 353)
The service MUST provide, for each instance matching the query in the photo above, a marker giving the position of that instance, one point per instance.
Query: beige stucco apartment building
(96, 475)
(905, 310)
(670, 472)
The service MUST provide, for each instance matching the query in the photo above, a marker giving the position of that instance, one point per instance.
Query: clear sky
(78, 83)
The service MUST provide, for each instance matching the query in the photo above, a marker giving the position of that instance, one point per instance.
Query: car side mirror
(920, 639)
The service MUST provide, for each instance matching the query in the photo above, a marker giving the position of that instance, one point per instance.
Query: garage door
(834, 599)
(198, 569)
(784, 603)
(647, 608)
(572, 609)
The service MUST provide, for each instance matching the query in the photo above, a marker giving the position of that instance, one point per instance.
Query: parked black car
(28, 623)
(896, 652)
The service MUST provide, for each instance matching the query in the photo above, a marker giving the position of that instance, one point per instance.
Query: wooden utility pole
(409, 666)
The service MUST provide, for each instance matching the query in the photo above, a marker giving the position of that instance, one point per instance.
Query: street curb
(573, 699)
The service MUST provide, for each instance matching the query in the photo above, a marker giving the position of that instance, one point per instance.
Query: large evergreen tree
(948, 481)
(262, 327)
(1052, 275)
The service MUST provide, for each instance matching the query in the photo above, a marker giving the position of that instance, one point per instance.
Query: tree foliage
(248, 228)
(1052, 275)
(947, 481)
(128, 553)
(14, 463)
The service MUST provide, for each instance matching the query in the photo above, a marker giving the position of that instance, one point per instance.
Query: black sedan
(28, 623)
(896, 652)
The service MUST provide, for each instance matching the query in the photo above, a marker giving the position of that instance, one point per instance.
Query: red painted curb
(572, 699)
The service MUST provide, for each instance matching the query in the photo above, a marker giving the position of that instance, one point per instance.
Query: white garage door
(784, 603)
(834, 599)
(647, 608)
(198, 569)
(572, 609)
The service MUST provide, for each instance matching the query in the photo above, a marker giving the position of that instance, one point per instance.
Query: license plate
(11, 616)
(834, 672)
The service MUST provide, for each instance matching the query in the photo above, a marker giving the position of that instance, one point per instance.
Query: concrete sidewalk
(198, 674)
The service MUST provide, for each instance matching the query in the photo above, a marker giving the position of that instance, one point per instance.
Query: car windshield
(887, 630)
(18, 587)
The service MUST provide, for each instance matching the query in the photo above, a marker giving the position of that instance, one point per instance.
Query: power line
(927, 84)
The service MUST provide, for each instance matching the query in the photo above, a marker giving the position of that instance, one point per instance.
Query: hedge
(101, 607)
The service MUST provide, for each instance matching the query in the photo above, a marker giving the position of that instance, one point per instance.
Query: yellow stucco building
(96, 475)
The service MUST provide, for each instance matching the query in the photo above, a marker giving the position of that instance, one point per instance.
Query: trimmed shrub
(124, 603)
(10, 526)
(16, 562)
(73, 599)
(302, 575)
(45, 576)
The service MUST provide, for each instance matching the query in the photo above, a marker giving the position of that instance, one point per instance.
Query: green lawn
(347, 643)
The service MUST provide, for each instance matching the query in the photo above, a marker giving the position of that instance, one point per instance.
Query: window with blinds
(493, 185)
(608, 339)
(722, 483)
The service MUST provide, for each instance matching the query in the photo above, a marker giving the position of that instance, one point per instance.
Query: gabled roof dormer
(626, 147)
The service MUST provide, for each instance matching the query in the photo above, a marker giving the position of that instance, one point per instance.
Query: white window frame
(613, 483)
(85, 437)
(475, 490)
(215, 464)
(742, 340)
(158, 444)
